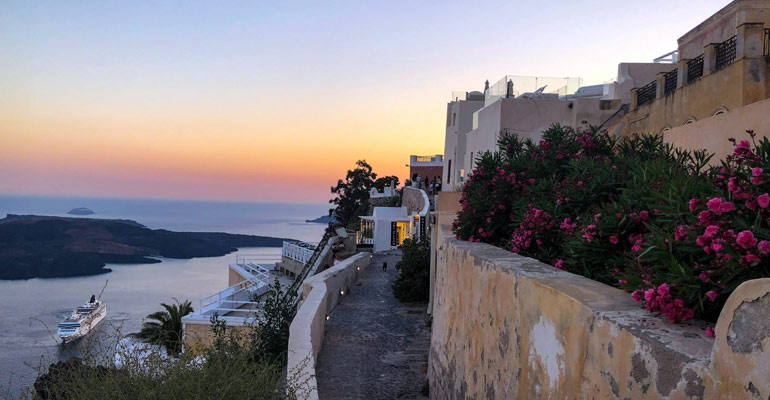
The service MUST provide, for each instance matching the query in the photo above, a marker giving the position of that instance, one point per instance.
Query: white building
(387, 227)
(527, 106)
(459, 121)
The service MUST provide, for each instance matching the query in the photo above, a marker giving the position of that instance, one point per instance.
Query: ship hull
(68, 335)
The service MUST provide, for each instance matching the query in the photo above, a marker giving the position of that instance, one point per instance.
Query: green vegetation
(165, 327)
(413, 282)
(270, 338)
(235, 366)
(676, 232)
(352, 194)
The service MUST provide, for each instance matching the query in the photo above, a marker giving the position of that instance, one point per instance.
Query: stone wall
(506, 326)
(713, 133)
(415, 200)
(321, 294)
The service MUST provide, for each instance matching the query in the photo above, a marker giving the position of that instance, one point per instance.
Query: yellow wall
(506, 327)
(713, 133)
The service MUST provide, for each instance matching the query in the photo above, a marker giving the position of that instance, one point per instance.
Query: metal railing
(300, 252)
(308, 266)
(240, 294)
(767, 42)
(669, 85)
(725, 53)
(646, 94)
(695, 69)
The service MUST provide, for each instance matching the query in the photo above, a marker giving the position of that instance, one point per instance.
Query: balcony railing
(695, 69)
(300, 252)
(725, 53)
(767, 42)
(646, 94)
(670, 81)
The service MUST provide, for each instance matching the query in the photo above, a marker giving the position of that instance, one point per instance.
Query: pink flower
(757, 180)
(710, 332)
(711, 230)
(663, 289)
(764, 247)
(649, 294)
(726, 207)
(756, 171)
(764, 200)
(614, 239)
(712, 295)
(742, 148)
(704, 276)
(714, 204)
(694, 203)
(636, 248)
(596, 218)
(559, 264)
(746, 239)
(636, 295)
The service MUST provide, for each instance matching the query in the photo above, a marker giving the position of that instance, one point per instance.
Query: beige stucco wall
(321, 294)
(198, 335)
(713, 133)
(721, 90)
(415, 201)
(721, 26)
(506, 326)
(528, 118)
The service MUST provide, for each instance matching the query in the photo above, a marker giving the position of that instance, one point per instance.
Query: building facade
(459, 121)
(723, 68)
(427, 167)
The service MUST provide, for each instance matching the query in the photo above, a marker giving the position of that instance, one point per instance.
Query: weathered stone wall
(321, 294)
(415, 200)
(506, 326)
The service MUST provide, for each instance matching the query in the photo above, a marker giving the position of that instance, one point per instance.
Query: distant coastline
(324, 219)
(33, 246)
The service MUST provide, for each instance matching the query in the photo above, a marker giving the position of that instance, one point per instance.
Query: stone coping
(515, 327)
(321, 294)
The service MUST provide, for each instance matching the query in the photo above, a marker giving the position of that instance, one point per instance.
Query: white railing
(298, 252)
(240, 294)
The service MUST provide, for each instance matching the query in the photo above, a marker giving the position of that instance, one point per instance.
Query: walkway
(374, 347)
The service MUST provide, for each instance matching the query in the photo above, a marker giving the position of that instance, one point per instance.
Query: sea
(31, 309)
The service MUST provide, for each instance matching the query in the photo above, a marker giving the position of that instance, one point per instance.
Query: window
(454, 118)
(470, 166)
(605, 104)
(449, 173)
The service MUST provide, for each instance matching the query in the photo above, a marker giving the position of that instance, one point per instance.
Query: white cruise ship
(82, 320)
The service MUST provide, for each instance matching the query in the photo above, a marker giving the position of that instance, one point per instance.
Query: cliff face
(42, 247)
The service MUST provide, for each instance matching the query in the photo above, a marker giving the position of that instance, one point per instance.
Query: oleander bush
(660, 222)
(413, 281)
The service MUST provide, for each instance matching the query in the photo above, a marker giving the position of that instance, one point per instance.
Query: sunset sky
(273, 101)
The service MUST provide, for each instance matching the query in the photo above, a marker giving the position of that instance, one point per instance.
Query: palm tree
(165, 327)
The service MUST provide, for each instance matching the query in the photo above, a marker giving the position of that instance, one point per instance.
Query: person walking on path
(384, 267)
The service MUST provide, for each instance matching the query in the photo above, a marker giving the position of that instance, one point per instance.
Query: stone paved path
(374, 347)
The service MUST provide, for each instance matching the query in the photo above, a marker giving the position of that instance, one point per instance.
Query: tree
(380, 183)
(413, 282)
(352, 193)
(165, 327)
(270, 338)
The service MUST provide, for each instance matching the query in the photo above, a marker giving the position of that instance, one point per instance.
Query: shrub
(636, 213)
(165, 327)
(413, 281)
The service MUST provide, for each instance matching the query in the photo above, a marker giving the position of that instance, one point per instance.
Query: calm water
(29, 309)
